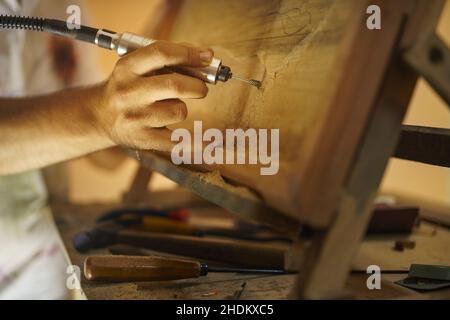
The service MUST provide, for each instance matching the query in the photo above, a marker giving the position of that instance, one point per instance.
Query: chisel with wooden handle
(153, 268)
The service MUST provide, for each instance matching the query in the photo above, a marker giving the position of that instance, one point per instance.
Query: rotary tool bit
(121, 43)
(251, 82)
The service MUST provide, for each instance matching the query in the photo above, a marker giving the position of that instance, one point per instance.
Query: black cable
(16, 22)
(53, 26)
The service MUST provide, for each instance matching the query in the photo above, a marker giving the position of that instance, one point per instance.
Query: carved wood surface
(313, 57)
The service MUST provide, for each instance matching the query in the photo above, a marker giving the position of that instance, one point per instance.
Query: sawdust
(215, 178)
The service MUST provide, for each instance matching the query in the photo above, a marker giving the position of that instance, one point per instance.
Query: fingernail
(206, 56)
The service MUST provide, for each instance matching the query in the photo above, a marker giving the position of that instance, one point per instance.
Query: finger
(155, 139)
(161, 54)
(190, 45)
(147, 90)
(174, 85)
(160, 114)
(168, 112)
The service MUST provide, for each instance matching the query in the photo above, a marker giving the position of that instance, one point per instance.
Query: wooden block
(321, 70)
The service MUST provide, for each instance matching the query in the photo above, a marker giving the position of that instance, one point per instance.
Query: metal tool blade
(251, 82)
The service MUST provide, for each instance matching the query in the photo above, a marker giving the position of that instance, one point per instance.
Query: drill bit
(252, 82)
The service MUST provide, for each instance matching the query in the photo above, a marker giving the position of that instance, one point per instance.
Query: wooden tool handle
(239, 253)
(164, 225)
(137, 268)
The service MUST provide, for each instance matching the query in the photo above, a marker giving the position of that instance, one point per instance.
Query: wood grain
(320, 72)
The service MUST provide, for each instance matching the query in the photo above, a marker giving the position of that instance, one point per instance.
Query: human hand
(139, 100)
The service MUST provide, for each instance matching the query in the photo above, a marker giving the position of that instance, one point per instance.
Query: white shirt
(32, 263)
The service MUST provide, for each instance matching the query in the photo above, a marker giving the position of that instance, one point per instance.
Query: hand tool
(165, 225)
(385, 219)
(175, 214)
(153, 268)
(237, 252)
(127, 250)
(121, 43)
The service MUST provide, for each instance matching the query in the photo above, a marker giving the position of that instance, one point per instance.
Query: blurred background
(104, 177)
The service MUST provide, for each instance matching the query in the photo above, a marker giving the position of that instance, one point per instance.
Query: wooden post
(328, 259)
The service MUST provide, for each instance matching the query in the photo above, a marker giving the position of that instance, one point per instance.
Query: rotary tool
(121, 43)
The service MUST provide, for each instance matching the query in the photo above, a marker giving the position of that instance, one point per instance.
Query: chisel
(154, 268)
(172, 226)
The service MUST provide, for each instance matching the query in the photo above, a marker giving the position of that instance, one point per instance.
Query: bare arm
(131, 109)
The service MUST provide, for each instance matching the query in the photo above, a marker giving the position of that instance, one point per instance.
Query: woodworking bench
(433, 247)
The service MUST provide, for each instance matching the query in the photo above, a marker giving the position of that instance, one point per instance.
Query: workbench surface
(71, 218)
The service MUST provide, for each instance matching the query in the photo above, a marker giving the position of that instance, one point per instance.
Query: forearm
(39, 131)
(132, 108)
